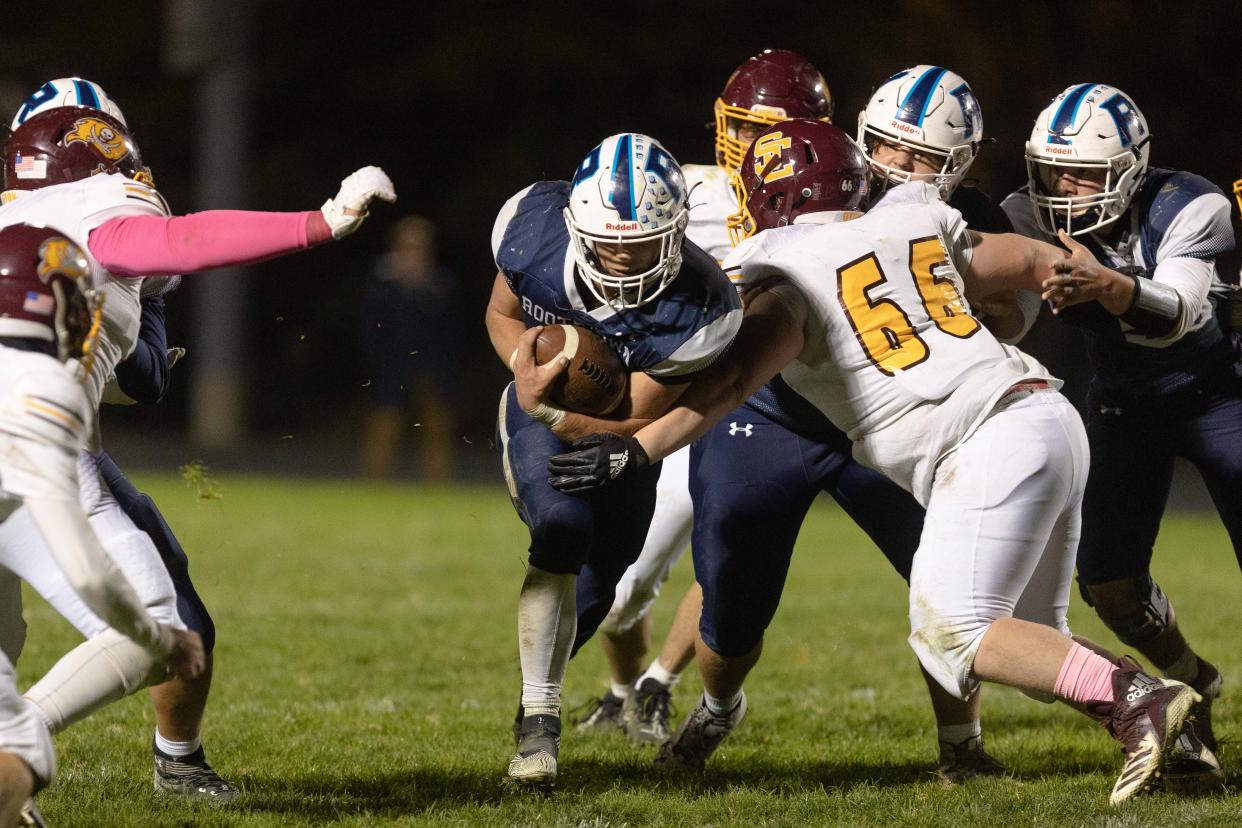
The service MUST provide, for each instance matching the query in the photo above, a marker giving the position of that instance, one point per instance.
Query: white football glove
(347, 210)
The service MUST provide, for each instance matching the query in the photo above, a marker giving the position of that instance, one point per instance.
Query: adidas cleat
(534, 763)
(1146, 716)
(1192, 767)
(697, 738)
(1206, 684)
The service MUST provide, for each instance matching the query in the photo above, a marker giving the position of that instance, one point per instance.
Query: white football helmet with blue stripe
(67, 92)
(630, 191)
(930, 110)
(1088, 126)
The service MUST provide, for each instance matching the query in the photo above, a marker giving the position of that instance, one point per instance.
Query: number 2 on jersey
(882, 327)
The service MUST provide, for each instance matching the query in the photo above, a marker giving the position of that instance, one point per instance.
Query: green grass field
(366, 674)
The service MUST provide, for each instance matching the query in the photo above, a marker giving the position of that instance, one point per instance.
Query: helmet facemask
(622, 292)
(953, 162)
(730, 150)
(1082, 214)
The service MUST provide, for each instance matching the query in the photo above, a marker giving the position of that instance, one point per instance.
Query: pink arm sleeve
(137, 246)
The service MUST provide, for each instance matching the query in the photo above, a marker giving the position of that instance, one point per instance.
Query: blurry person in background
(412, 338)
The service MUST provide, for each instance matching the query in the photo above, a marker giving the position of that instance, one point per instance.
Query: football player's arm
(1165, 301)
(645, 400)
(143, 376)
(151, 245)
(992, 263)
(504, 319)
(770, 337)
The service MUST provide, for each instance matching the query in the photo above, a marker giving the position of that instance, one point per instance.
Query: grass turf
(366, 674)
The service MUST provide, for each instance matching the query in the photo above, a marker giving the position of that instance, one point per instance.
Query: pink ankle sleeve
(1085, 677)
(155, 245)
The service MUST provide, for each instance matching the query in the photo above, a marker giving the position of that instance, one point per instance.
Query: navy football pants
(752, 482)
(596, 536)
(142, 511)
(1132, 451)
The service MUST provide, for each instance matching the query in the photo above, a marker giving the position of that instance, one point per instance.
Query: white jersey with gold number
(711, 201)
(45, 419)
(76, 209)
(893, 355)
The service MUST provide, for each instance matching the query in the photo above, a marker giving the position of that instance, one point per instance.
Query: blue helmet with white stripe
(930, 110)
(1089, 129)
(629, 192)
(67, 92)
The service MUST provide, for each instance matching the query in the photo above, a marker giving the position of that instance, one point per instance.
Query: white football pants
(23, 554)
(667, 538)
(1001, 533)
(22, 731)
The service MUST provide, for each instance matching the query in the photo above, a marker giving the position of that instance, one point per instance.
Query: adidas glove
(596, 461)
(348, 208)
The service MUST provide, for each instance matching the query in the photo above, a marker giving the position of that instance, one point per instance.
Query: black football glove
(596, 461)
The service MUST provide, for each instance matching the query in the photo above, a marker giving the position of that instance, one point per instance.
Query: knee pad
(1138, 616)
(560, 538)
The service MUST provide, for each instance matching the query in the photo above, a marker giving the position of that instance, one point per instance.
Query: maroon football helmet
(796, 167)
(770, 87)
(68, 144)
(46, 291)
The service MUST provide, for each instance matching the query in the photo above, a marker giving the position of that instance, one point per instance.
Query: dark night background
(465, 105)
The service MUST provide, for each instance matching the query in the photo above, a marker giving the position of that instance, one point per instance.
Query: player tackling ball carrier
(864, 316)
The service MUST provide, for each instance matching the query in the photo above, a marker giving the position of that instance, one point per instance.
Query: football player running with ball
(1167, 381)
(864, 317)
(76, 167)
(766, 89)
(47, 308)
(605, 251)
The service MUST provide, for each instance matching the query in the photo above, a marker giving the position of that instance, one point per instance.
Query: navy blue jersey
(681, 331)
(1173, 215)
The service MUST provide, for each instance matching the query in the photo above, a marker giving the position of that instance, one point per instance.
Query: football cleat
(602, 713)
(697, 738)
(646, 713)
(534, 763)
(191, 777)
(965, 760)
(1146, 716)
(1206, 684)
(30, 816)
(1192, 767)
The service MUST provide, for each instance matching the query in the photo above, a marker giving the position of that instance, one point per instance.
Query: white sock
(958, 733)
(1185, 669)
(656, 671)
(547, 622)
(622, 691)
(176, 749)
(722, 707)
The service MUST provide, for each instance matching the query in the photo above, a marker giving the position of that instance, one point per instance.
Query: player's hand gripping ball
(595, 379)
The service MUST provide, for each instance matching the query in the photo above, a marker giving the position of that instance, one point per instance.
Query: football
(595, 380)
